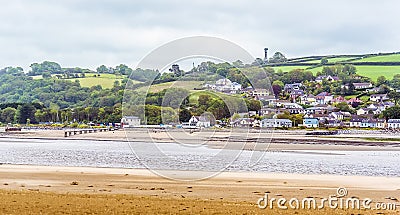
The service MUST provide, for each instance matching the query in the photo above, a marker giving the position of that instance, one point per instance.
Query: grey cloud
(90, 33)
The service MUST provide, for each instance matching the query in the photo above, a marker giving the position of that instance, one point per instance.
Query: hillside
(369, 65)
(93, 79)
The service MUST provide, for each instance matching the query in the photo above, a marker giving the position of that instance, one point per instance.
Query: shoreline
(235, 140)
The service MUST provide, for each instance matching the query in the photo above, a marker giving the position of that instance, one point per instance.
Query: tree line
(33, 113)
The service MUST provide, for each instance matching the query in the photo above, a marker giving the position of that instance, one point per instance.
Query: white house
(263, 95)
(324, 98)
(244, 122)
(308, 100)
(356, 122)
(372, 123)
(362, 111)
(227, 86)
(377, 123)
(378, 97)
(394, 123)
(198, 122)
(361, 86)
(130, 121)
(276, 123)
(289, 87)
(329, 78)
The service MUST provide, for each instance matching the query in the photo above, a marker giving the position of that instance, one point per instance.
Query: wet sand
(33, 189)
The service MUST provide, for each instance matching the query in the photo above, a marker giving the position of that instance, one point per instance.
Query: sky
(94, 32)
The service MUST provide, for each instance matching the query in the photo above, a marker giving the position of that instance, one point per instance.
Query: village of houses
(320, 112)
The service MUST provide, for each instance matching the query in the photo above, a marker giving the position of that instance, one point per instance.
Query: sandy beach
(26, 189)
(106, 190)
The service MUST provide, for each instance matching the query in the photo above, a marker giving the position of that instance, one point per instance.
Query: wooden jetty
(68, 133)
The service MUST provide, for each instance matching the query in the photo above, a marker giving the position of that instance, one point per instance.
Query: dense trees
(46, 67)
(343, 106)
(297, 76)
(33, 113)
(381, 80)
(7, 115)
(392, 113)
(278, 57)
(22, 88)
(25, 99)
(395, 96)
(395, 83)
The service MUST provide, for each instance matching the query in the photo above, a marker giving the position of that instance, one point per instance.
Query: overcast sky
(94, 32)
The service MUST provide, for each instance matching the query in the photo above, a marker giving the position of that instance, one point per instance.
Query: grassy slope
(105, 80)
(382, 58)
(188, 85)
(374, 72)
(91, 81)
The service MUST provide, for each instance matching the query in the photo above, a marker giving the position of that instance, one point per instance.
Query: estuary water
(171, 156)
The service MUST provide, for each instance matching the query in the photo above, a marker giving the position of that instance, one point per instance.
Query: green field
(374, 72)
(188, 85)
(382, 58)
(93, 81)
(104, 80)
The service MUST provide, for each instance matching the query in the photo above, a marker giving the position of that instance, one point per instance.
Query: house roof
(324, 94)
(276, 120)
(361, 84)
(322, 77)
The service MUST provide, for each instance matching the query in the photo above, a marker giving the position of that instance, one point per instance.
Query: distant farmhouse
(291, 87)
(378, 97)
(225, 86)
(329, 78)
(362, 86)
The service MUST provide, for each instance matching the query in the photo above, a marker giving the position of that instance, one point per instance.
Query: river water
(171, 156)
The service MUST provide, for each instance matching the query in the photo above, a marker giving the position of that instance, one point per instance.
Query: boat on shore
(8, 129)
